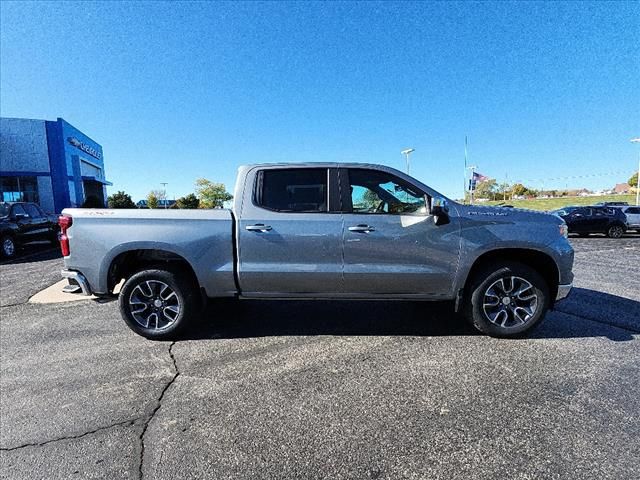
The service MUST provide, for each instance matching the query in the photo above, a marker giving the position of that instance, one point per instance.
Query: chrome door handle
(258, 227)
(362, 229)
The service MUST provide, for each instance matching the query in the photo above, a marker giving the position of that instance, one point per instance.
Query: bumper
(563, 291)
(78, 278)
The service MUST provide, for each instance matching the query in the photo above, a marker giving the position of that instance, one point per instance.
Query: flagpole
(464, 180)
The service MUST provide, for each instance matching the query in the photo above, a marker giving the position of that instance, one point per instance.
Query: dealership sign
(84, 147)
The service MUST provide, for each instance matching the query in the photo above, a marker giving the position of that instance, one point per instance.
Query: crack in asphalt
(71, 437)
(147, 420)
(155, 410)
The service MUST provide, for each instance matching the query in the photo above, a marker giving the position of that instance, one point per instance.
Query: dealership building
(51, 163)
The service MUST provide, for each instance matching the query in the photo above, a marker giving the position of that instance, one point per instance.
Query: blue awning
(95, 179)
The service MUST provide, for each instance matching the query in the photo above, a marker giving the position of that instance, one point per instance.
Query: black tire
(144, 290)
(8, 246)
(615, 231)
(485, 286)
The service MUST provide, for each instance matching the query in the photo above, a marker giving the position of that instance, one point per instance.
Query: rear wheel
(8, 246)
(507, 300)
(158, 304)
(615, 231)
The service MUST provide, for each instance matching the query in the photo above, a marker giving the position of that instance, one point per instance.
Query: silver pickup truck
(322, 230)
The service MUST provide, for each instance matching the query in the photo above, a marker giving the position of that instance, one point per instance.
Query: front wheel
(507, 300)
(158, 304)
(615, 231)
(8, 246)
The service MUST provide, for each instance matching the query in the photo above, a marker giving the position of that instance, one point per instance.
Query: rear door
(600, 219)
(391, 243)
(290, 233)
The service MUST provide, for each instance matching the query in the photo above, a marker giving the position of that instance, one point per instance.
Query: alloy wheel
(8, 247)
(510, 302)
(154, 304)
(616, 231)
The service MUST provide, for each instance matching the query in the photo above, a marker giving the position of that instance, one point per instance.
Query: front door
(391, 242)
(290, 237)
(26, 230)
(578, 220)
(39, 228)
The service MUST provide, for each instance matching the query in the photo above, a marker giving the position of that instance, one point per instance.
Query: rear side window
(32, 210)
(633, 210)
(292, 190)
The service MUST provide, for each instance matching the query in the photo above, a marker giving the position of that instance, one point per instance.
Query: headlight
(564, 230)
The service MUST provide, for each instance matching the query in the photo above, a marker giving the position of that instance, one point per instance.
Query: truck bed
(204, 238)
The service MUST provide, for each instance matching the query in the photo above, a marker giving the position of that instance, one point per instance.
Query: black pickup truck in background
(22, 223)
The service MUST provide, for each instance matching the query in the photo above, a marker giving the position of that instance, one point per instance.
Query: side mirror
(440, 210)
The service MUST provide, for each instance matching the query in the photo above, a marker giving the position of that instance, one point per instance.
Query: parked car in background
(328, 230)
(633, 217)
(611, 204)
(22, 223)
(595, 219)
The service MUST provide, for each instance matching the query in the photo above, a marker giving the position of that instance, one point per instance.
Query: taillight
(64, 222)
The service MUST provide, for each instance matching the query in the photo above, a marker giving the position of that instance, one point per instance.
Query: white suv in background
(633, 216)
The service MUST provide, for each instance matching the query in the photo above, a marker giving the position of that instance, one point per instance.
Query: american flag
(479, 178)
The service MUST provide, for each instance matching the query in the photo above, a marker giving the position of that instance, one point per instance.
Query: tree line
(207, 194)
(492, 190)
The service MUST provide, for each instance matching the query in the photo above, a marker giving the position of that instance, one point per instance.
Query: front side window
(299, 190)
(17, 210)
(373, 191)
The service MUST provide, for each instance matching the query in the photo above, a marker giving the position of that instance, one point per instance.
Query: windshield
(4, 209)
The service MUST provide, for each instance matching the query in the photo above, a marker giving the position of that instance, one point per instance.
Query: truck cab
(338, 230)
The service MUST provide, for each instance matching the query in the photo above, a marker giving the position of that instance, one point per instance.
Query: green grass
(554, 203)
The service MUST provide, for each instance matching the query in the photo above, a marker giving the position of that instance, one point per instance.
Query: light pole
(637, 140)
(164, 187)
(406, 154)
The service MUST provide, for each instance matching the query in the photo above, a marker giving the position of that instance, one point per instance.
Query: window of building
(19, 189)
(293, 190)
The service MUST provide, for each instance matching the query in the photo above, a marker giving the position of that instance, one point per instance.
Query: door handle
(362, 229)
(258, 227)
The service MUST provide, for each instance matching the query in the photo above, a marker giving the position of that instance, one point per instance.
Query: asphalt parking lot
(324, 389)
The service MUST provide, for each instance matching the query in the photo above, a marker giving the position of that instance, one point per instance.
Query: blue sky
(176, 91)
